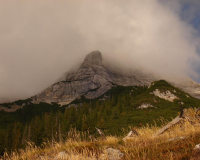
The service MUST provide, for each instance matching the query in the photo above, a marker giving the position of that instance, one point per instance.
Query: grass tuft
(145, 146)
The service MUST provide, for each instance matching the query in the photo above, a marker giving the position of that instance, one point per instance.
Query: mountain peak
(94, 57)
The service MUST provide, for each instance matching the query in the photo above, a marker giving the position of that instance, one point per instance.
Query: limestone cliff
(91, 80)
(189, 86)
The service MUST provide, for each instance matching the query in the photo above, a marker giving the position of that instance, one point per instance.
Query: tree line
(54, 126)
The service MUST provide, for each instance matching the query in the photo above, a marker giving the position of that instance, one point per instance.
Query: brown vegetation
(176, 143)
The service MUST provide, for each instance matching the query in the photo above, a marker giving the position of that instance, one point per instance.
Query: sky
(40, 40)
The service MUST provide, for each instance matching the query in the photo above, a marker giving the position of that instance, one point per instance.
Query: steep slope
(91, 80)
(123, 106)
(190, 86)
(94, 78)
(117, 108)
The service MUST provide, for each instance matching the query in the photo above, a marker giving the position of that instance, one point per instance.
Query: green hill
(116, 109)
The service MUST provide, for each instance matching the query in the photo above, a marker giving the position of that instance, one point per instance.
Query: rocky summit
(91, 80)
(94, 78)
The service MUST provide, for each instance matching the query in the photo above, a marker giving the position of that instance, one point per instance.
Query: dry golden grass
(146, 146)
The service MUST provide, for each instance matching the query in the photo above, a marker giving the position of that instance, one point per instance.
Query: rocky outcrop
(108, 154)
(146, 105)
(91, 80)
(167, 95)
(111, 154)
(124, 77)
(197, 147)
(189, 86)
(176, 138)
(10, 108)
(94, 78)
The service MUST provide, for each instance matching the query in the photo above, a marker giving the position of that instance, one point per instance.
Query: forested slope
(118, 108)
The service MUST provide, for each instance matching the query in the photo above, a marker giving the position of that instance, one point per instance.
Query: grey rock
(165, 95)
(146, 105)
(111, 154)
(94, 78)
(91, 80)
(176, 138)
(10, 108)
(61, 155)
(197, 147)
(189, 86)
(74, 105)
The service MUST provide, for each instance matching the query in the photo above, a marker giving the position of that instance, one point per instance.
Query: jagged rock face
(189, 86)
(93, 58)
(165, 95)
(91, 80)
(12, 108)
(129, 78)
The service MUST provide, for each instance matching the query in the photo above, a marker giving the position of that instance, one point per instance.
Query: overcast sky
(42, 39)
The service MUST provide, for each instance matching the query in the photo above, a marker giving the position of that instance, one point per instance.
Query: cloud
(41, 40)
(187, 9)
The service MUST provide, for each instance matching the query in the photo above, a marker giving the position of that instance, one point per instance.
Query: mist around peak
(41, 40)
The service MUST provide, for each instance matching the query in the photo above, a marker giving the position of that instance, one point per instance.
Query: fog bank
(41, 40)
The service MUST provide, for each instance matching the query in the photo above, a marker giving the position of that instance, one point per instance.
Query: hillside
(92, 79)
(181, 141)
(120, 107)
(95, 77)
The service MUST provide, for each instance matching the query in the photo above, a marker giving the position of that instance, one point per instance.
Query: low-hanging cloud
(40, 40)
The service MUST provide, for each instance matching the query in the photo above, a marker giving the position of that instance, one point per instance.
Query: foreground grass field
(145, 146)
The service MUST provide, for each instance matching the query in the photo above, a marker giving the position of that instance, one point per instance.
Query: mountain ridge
(92, 79)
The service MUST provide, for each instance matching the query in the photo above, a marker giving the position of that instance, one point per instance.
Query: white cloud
(40, 40)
